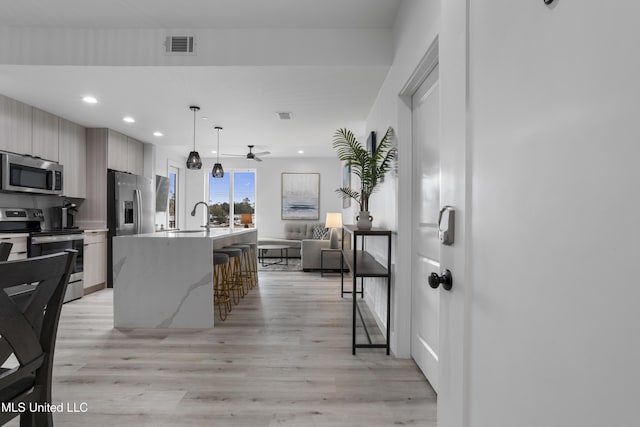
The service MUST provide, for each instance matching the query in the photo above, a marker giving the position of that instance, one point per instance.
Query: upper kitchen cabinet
(124, 154)
(135, 158)
(73, 158)
(15, 126)
(106, 148)
(45, 141)
(117, 151)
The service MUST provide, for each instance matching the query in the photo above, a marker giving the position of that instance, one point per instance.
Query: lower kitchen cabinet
(95, 259)
(19, 248)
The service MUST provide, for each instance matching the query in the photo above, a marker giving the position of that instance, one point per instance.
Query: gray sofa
(299, 238)
(294, 234)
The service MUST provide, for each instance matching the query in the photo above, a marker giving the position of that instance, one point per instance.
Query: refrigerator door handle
(140, 213)
(137, 204)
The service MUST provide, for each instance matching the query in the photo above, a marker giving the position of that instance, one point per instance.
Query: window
(231, 197)
(172, 210)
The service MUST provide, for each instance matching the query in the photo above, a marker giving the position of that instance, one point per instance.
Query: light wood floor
(283, 357)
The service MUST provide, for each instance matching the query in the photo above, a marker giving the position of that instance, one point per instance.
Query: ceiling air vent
(180, 44)
(285, 115)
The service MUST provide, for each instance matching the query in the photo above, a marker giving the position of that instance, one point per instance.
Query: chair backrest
(5, 250)
(28, 328)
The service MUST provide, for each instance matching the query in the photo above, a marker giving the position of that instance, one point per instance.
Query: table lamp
(245, 219)
(333, 221)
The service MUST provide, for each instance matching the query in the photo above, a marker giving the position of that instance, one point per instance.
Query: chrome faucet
(193, 213)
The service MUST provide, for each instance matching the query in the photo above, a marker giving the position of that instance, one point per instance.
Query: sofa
(299, 237)
(294, 234)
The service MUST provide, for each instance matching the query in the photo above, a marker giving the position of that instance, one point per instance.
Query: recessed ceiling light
(158, 133)
(90, 100)
(300, 152)
(205, 118)
(213, 151)
(128, 119)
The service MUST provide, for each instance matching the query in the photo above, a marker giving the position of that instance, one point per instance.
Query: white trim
(232, 173)
(402, 314)
(180, 194)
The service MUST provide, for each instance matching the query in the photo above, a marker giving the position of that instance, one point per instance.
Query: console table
(362, 264)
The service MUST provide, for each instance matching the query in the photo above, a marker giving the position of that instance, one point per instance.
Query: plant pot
(364, 220)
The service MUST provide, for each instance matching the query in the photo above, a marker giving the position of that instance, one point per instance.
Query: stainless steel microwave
(30, 174)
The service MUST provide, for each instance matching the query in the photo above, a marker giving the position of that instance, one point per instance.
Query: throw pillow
(320, 233)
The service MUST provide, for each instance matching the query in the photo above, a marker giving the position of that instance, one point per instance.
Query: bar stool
(253, 262)
(220, 291)
(233, 280)
(245, 273)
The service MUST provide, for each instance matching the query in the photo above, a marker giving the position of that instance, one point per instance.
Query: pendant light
(193, 161)
(217, 171)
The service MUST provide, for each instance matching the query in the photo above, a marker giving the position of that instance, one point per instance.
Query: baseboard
(94, 288)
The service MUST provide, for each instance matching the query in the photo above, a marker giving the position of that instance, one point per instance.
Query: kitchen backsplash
(23, 200)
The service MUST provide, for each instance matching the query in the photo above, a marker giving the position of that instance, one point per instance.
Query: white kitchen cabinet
(95, 259)
(45, 137)
(19, 249)
(117, 151)
(15, 126)
(73, 157)
(135, 158)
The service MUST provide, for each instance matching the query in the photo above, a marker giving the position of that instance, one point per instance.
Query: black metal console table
(363, 264)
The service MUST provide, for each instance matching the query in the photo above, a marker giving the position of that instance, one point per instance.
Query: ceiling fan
(250, 155)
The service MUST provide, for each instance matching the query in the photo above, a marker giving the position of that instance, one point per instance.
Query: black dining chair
(28, 328)
(5, 250)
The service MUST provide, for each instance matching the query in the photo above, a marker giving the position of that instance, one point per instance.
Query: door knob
(446, 280)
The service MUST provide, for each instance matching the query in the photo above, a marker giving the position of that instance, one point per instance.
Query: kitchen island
(165, 279)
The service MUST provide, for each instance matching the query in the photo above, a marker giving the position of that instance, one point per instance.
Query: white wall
(555, 245)
(268, 187)
(416, 28)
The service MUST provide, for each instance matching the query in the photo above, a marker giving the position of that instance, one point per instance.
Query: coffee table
(262, 249)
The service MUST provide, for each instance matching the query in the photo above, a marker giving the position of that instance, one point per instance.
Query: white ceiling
(242, 99)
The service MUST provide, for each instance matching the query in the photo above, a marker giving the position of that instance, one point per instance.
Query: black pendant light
(193, 161)
(217, 171)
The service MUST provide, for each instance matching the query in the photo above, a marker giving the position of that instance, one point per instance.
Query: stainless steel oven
(45, 243)
(30, 174)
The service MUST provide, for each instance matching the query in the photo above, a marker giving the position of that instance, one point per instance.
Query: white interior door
(426, 247)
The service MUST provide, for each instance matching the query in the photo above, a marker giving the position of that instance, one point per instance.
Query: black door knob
(446, 280)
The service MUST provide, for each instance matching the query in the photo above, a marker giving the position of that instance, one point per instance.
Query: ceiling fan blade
(233, 155)
(262, 153)
(257, 159)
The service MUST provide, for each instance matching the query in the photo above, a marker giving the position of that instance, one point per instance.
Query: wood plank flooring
(282, 358)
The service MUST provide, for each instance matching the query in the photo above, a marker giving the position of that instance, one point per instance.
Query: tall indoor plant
(369, 167)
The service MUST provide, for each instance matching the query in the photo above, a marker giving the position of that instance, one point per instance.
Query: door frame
(402, 344)
(450, 47)
(427, 79)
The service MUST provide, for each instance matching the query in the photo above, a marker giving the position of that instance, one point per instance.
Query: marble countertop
(214, 233)
(164, 280)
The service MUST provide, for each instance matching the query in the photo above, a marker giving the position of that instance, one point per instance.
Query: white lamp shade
(334, 220)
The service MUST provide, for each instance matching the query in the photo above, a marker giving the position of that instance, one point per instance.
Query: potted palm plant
(369, 167)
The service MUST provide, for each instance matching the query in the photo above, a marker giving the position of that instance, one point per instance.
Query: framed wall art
(346, 183)
(300, 195)
(371, 142)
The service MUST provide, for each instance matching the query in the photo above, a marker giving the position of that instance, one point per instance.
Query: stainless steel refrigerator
(130, 209)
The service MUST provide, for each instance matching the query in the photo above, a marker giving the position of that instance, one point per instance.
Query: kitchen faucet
(193, 213)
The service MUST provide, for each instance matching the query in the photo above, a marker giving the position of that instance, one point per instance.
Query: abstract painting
(300, 195)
